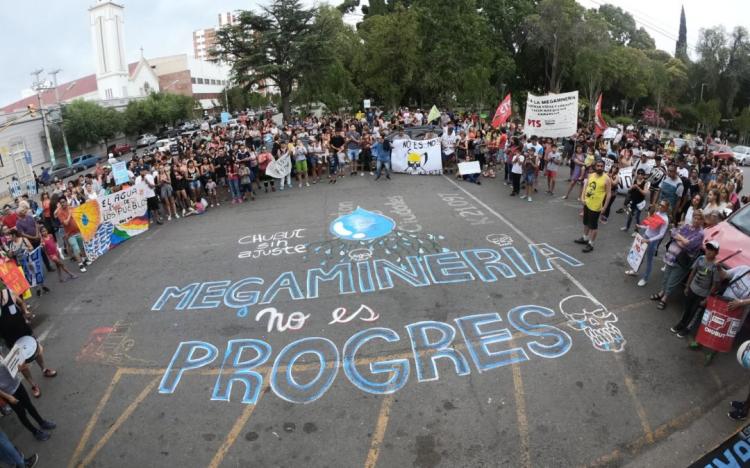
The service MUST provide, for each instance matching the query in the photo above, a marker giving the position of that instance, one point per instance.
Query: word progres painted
(483, 264)
(479, 345)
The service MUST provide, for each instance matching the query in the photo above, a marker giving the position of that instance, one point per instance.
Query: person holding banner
(636, 199)
(655, 227)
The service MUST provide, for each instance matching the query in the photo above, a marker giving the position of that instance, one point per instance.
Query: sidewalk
(685, 446)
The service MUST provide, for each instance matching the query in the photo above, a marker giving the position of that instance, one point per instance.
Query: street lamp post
(698, 125)
(62, 125)
(38, 87)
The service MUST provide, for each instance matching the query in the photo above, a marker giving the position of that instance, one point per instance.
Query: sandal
(661, 305)
(655, 297)
(49, 373)
(36, 391)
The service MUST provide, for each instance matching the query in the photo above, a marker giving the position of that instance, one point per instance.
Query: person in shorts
(353, 148)
(595, 196)
(530, 168)
(64, 214)
(553, 159)
(300, 163)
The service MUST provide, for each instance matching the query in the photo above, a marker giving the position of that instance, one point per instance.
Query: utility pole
(59, 107)
(38, 87)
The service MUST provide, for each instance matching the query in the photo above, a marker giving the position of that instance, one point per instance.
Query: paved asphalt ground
(555, 400)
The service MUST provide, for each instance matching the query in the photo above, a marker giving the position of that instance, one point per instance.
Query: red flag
(503, 112)
(599, 121)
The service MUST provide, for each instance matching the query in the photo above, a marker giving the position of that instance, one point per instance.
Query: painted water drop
(361, 224)
(242, 312)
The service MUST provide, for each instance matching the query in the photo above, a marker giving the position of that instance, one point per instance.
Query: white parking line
(502, 218)
(43, 335)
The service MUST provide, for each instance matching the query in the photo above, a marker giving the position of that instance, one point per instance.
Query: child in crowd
(50, 248)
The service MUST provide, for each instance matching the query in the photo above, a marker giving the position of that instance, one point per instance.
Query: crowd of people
(688, 188)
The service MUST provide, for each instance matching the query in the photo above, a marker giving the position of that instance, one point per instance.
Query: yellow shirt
(596, 191)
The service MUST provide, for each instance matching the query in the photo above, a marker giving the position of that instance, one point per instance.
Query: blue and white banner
(33, 268)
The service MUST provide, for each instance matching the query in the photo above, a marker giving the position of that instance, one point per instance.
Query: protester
(596, 195)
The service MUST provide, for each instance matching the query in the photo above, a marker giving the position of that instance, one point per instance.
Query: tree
(454, 55)
(390, 62)
(276, 47)
(555, 29)
(709, 114)
(680, 50)
(333, 83)
(742, 123)
(88, 123)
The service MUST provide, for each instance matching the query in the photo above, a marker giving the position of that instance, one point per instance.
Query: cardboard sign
(637, 251)
(471, 167)
(120, 173)
(13, 359)
(13, 277)
(417, 157)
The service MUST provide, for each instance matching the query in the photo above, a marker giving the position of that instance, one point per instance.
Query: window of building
(200, 80)
(108, 93)
(193, 80)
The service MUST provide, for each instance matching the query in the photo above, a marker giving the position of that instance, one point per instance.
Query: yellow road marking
(639, 409)
(237, 427)
(523, 423)
(94, 418)
(379, 434)
(123, 417)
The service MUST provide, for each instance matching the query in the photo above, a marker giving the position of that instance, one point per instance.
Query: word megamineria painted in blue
(485, 342)
(484, 264)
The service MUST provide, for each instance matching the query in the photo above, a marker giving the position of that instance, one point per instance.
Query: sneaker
(674, 330)
(623, 229)
(630, 273)
(300, 185)
(664, 268)
(641, 282)
(588, 248)
(218, 204)
(581, 240)
(48, 425)
(176, 216)
(529, 199)
(41, 436)
(682, 334)
(183, 212)
(372, 173)
(169, 217)
(362, 174)
(307, 184)
(738, 405)
(737, 415)
(82, 268)
(31, 461)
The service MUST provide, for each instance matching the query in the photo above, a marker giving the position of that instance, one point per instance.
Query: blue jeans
(649, 256)
(381, 165)
(634, 213)
(9, 453)
(234, 187)
(353, 154)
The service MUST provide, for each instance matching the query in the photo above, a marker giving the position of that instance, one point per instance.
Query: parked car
(145, 140)
(742, 155)
(85, 161)
(733, 234)
(60, 170)
(119, 150)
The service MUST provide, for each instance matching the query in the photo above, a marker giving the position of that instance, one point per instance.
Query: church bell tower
(107, 24)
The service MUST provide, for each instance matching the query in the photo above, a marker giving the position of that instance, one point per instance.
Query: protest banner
(471, 167)
(735, 452)
(626, 180)
(636, 252)
(417, 157)
(111, 220)
(280, 167)
(554, 115)
(32, 266)
(120, 172)
(13, 277)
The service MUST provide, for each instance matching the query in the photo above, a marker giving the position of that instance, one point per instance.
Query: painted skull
(586, 315)
(501, 240)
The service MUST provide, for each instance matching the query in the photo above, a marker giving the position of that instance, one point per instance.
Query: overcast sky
(55, 34)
